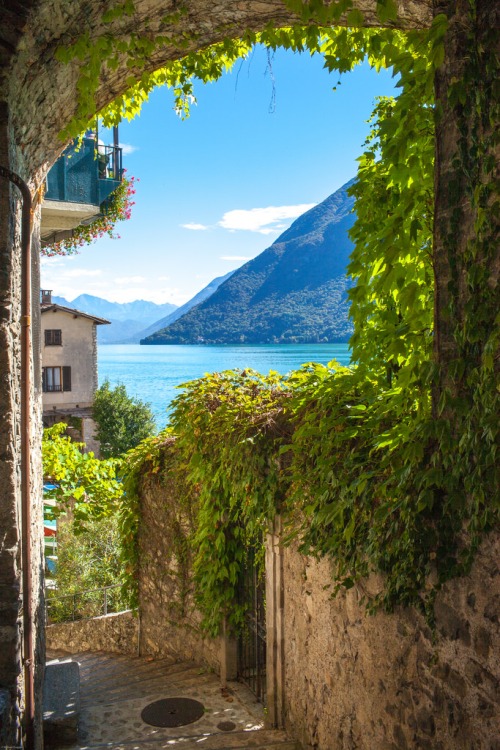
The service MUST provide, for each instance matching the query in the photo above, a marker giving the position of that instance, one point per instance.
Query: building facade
(69, 366)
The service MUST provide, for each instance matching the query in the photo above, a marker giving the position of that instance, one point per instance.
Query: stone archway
(37, 99)
(42, 90)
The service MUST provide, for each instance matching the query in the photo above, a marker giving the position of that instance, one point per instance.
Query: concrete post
(228, 655)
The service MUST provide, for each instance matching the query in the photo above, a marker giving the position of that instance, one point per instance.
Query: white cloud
(103, 284)
(161, 295)
(128, 149)
(56, 260)
(195, 227)
(262, 220)
(234, 257)
(130, 280)
(77, 273)
(163, 278)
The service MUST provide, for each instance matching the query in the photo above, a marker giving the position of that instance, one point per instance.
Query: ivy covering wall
(389, 465)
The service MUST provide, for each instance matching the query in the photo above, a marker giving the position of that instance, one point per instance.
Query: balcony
(77, 185)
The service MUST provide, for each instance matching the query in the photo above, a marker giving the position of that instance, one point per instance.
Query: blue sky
(217, 189)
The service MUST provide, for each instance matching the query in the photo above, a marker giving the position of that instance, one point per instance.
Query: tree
(122, 421)
(88, 558)
(89, 546)
(86, 484)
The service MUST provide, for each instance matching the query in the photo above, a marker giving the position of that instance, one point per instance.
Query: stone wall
(387, 682)
(37, 99)
(338, 678)
(116, 633)
(10, 498)
(89, 429)
(12, 597)
(170, 623)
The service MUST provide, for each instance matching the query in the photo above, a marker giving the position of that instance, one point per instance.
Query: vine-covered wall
(350, 679)
(169, 620)
(401, 473)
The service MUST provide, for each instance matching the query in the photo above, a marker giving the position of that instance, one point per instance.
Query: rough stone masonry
(37, 99)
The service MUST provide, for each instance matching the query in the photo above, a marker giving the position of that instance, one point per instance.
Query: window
(56, 379)
(53, 337)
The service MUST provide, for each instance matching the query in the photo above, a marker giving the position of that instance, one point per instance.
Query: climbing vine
(365, 463)
(141, 460)
(230, 425)
(90, 487)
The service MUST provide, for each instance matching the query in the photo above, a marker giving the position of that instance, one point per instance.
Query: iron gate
(252, 639)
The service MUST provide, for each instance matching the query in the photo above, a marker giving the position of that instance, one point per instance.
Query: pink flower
(119, 208)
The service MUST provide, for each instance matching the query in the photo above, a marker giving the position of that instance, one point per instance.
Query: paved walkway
(115, 689)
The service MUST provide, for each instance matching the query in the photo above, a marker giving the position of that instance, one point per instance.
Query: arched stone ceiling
(42, 91)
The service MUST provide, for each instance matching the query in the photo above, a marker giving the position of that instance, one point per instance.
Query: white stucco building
(69, 365)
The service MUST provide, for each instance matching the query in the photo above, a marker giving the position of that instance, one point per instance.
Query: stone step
(61, 702)
(111, 688)
(262, 739)
(115, 688)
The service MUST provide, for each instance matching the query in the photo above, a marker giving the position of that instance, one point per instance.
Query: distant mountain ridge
(293, 292)
(126, 317)
(179, 312)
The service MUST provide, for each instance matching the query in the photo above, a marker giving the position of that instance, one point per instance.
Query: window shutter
(44, 381)
(66, 378)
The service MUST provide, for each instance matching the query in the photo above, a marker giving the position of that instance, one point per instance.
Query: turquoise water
(152, 373)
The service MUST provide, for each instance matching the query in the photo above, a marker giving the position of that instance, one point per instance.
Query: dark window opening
(66, 371)
(53, 337)
(56, 379)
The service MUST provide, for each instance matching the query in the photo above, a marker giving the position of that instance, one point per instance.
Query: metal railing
(251, 659)
(84, 605)
(109, 160)
(85, 173)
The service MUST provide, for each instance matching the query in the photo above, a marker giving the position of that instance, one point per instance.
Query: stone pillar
(228, 656)
(89, 429)
(12, 597)
(275, 664)
(11, 682)
(466, 248)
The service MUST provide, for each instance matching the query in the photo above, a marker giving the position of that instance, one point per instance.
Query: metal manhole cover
(172, 712)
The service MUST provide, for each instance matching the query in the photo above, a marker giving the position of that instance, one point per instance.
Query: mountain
(179, 312)
(293, 292)
(126, 318)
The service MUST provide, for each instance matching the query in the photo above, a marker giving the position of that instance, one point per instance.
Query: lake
(152, 373)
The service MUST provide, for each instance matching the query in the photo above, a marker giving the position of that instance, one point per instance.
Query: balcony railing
(109, 159)
(87, 175)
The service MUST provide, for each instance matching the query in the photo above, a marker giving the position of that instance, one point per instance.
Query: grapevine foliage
(360, 462)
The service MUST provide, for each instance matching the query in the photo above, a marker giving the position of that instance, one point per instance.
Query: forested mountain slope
(126, 318)
(201, 296)
(293, 292)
